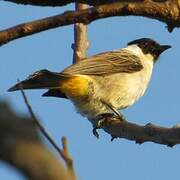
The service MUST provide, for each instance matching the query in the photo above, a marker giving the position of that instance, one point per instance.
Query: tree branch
(64, 152)
(37, 123)
(141, 134)
(68, 159)
(81, 43)
(167, 12)
(42, 2)
(64, 2)
(20, 146)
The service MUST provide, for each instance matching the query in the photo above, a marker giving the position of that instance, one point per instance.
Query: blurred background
(94, 158)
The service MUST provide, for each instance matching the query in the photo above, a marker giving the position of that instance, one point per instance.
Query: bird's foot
(113, 137)
(95, 133)
(105, 119)
(101, 121)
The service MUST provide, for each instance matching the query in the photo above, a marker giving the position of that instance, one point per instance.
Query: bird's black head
(149, 46)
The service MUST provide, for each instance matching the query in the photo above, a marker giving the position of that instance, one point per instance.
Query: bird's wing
(120, 61)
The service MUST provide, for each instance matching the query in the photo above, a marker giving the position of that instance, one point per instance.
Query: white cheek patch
(149, 57)
(138, 52)
(134, 49)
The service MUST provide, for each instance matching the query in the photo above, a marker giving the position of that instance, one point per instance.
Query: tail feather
(42, 79)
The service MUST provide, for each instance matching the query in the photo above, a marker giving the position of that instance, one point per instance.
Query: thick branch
(141, 134)
(62, 2)
(168, 12)
(52, 3)
(21, 147)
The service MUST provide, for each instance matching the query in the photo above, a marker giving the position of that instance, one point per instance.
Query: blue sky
(95, 159)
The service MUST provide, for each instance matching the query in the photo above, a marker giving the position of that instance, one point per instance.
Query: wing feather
(120, 61)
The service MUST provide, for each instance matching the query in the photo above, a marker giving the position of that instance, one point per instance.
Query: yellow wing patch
(75, 87)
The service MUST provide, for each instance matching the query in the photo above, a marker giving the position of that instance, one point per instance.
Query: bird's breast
(134, 86)
(123, 89)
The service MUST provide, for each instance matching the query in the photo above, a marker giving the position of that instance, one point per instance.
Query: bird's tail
(42, 79)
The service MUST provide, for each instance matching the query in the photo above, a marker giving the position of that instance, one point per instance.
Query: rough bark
(167, 12)
(140, 133)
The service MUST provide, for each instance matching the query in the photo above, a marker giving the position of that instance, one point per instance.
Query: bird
(104, 83)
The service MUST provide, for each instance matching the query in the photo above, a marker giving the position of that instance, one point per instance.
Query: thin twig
(65, 151)
(69, 161)
(41, 128)
(64, 156)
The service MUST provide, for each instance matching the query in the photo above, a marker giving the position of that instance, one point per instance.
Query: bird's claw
(95, 133)
(101, 120)
(113, 137)
(98, 126)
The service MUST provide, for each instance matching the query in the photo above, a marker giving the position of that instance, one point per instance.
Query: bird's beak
(164, 47)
